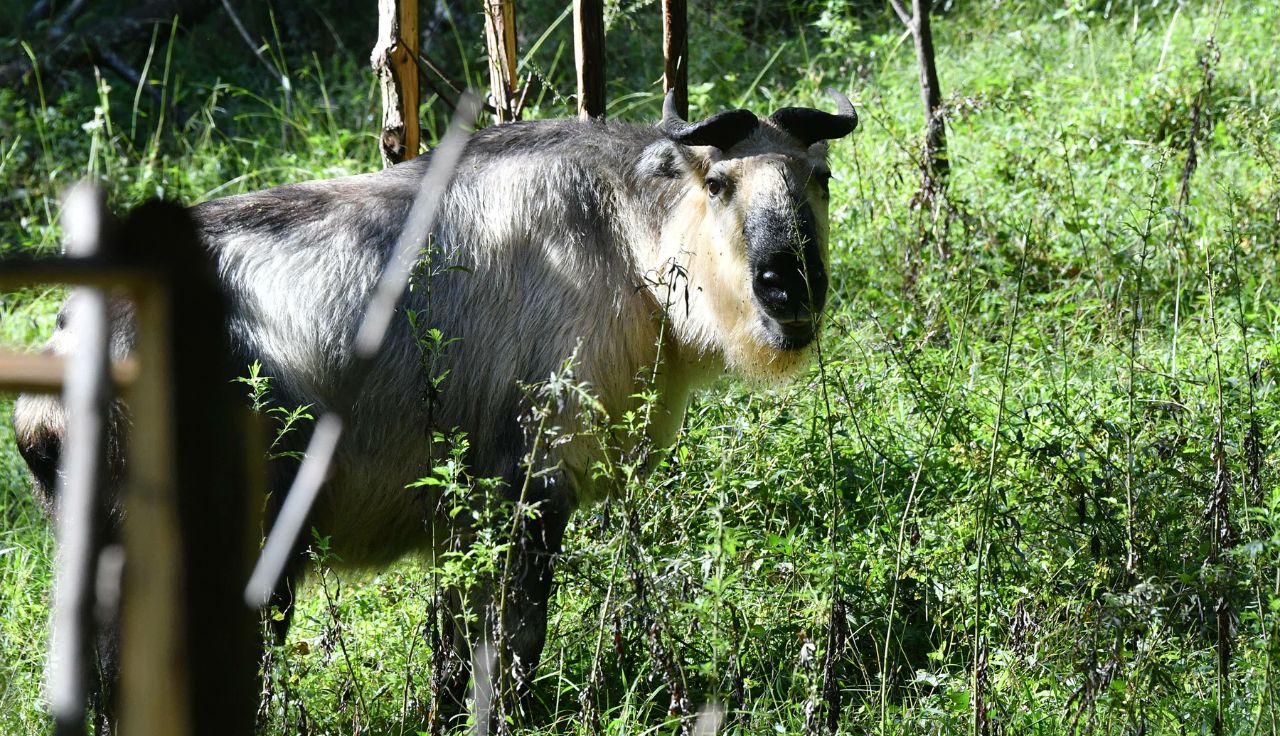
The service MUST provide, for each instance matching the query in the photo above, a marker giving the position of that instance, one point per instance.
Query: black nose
(43, 454)
(788, 293)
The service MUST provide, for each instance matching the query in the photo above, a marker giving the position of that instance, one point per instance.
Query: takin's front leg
(496, 647)
(525, 594)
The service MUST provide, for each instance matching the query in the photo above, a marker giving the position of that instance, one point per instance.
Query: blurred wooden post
(395, 61)
(189, 645)
(675, 52)
(154, 697)
(588, 51)
(80, 518)
(500, 39)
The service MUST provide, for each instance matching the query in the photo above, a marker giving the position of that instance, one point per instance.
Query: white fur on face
(708, 289)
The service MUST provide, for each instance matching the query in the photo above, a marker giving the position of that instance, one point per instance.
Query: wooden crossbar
(44, 373)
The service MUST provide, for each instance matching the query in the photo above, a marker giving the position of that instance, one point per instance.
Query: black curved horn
(810, 126)
(843, 105)
(722, 130)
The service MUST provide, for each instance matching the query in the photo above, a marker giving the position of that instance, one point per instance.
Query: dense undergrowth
(1029, 485)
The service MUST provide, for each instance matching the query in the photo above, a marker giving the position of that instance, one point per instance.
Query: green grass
(26, 559)
(26, 543)
(1001, 474)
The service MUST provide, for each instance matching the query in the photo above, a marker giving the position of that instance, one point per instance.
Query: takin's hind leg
(524, 599)
(272, 635)
(470, 625)
(448, 635)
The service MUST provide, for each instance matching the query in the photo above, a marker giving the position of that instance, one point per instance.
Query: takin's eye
(824, 181)
(715, 186)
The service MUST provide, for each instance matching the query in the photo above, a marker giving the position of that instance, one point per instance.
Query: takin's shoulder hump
(279, 210)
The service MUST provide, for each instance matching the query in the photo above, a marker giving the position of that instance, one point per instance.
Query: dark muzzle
(43, 454)
(787, 274)
(790, 290)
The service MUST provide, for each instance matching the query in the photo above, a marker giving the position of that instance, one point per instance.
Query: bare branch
(906, 19)
(86, 396)
(248, 40)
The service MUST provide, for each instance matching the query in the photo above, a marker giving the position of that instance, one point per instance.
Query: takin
(655, 258)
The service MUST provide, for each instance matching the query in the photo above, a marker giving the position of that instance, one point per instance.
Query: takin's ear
(666, 159)
(691, 148)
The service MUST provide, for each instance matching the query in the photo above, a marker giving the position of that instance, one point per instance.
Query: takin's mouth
(789, 298)
(791, 334)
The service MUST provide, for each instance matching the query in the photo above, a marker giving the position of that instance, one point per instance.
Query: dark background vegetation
(1029, 486)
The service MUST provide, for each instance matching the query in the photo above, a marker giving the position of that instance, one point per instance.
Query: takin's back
(531, 263)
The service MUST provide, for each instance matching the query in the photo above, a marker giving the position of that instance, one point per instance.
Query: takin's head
(39, 422)
(745, 247)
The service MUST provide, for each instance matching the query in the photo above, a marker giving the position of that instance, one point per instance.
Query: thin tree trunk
(500, 38)
(394, 60)
(936, 165)
(588, 47)
(935, 138)
(675, 52)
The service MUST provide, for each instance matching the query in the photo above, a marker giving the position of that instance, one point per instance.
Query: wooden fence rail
(588, 49)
